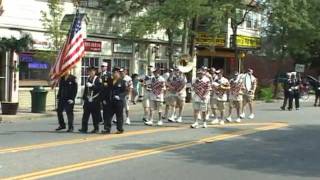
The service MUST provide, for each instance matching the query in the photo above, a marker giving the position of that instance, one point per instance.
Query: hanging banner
(204, 39)
(248, 42)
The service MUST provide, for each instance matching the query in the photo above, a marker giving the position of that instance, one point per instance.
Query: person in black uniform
(114, 92)
(286, 92)
(67, 93)
(294, 92)
(91, 98)
(104, 75)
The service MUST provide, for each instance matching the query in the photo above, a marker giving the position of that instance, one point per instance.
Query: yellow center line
(111, 136)
(141, 153)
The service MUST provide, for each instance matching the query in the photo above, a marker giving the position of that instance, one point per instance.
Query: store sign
(122, 48)
(248, 42)
(41, 45)
(300, 68)
(37, 65)
(92, 46)
(204, 39)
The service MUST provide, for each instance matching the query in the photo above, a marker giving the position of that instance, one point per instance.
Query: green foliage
(14, 44)
(266, 94)
(292, 29)
(51, 22)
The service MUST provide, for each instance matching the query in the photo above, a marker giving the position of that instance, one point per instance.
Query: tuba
(184, 64)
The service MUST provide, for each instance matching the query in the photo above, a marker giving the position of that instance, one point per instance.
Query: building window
(162, 65)
(89, 3)
(86, 63)
(122, 63)
(249, 21)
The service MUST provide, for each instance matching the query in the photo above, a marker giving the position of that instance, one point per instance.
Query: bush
(266, 94)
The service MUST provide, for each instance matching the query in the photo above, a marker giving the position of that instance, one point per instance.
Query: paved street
(277, 145)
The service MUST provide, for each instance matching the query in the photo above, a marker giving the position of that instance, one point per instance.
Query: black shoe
(282, 108)
(70, 130)
(60, 128)
(144, 119)
(83, 131)
(105, 132)
(94, 131)
(119, 132)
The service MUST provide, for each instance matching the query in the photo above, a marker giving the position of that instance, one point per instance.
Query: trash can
(38, 99)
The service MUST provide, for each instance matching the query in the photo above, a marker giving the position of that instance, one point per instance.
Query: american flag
(201, 88)
(72, 50)
(156, 87)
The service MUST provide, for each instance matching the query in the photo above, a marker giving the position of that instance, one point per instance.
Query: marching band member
(213, 99)
(177, 86)
(129, 84)
(92, 106)
(235, 96)
(146, 83)
(181, 94)
(156, 97)
(250, 85)
(201, 88)
(170, 96)
(220, 87)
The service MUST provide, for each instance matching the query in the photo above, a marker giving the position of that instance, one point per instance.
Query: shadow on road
(293, 151)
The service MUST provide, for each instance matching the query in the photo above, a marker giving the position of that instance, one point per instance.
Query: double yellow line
(106, 137)
(141, 153)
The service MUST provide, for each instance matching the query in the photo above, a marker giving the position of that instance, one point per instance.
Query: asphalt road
(277, 145)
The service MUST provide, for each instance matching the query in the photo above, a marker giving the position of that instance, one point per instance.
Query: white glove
(104, 102)
(70, 101)
(117, 97)
(89, 84)
(318, 88)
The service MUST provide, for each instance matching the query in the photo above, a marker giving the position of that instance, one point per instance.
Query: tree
(14, 45)
(51, 22)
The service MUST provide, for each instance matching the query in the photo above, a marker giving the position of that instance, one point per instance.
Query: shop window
(85, 64)
(122, 63)
(31, 68)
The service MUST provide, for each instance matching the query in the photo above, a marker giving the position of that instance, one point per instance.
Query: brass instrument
(185, 65)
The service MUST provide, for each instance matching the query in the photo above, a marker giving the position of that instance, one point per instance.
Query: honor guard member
(114, 97)
(68, 88)
(104, 75)
(92, 103)
(294, 91)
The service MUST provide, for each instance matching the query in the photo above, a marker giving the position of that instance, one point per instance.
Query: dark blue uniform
(294, 93)
(67, 93)
(113, 103)
(91, 106)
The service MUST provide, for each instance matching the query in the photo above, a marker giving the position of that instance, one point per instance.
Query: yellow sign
(248, 42)
(204, 39)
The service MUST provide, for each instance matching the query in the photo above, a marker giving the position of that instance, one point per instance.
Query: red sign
(92, 46)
